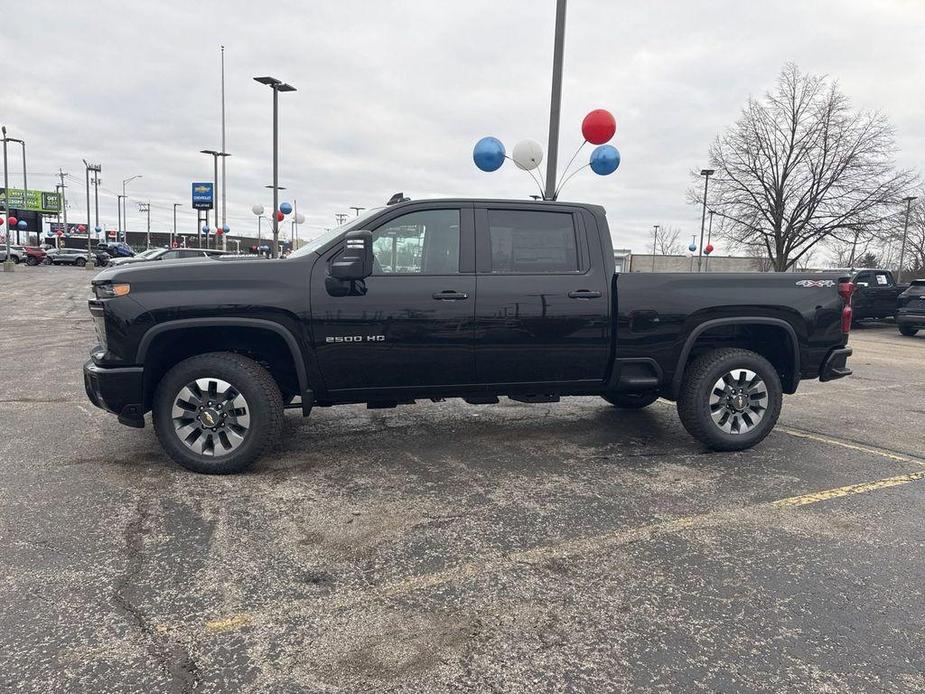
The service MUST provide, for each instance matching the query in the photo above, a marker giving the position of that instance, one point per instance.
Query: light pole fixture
(95, 168)
(357, 209)
(706, 173)
(902, 252)
(215, 155)
(277, 86)
(124, 222)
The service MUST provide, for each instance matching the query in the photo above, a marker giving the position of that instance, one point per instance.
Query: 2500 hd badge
(354, 338)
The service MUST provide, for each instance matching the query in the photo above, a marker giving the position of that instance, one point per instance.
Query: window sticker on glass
(881, 279)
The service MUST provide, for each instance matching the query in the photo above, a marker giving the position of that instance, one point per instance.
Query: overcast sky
(392, 96)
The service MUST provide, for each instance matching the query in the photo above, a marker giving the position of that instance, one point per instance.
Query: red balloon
(709, 249)
(81, 228)
(219, 231)
(1, 221)
(598, 126)
(12, 221)
(280, 216)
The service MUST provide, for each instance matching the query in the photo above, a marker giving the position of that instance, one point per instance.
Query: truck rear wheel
(217, 413)
(730, 399)
(908, 330)
(631, 401)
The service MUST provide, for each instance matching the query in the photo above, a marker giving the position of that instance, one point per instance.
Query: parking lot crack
(172, 655)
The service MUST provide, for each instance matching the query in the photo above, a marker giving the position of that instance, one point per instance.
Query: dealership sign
(33, 200)
(203, 194)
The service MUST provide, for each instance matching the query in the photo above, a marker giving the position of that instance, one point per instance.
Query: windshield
(148, 253)
(314, 244)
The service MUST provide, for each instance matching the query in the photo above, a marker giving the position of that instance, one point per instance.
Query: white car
(17, 253)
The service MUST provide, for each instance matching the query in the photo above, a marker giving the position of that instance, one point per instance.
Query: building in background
(627, 261)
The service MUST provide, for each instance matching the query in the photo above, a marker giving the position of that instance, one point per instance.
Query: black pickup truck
(876, 293)
(473, 299)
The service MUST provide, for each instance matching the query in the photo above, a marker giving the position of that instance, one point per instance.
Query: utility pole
(146, 207)
(61, 175)
(555, 106)
(902, 252)
(95, 168)
(709, 236)
(654, 245)
(173, 236)
(223, 143)
(96, 206)
(357, 209)
(341, 217)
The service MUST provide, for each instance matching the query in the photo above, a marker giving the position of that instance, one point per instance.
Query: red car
(34, 256)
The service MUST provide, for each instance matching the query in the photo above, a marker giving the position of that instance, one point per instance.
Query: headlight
(108, 290)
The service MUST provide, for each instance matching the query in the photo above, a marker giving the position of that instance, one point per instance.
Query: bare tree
(667, 240)
(801, 167)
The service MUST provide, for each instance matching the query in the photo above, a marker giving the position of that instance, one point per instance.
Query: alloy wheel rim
(210, 417)
(738, 401)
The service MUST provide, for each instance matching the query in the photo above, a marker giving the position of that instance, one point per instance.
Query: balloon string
(565, 170)
(570, 177)
(532, 175)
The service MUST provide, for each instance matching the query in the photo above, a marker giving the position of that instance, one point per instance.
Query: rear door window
(531, 242)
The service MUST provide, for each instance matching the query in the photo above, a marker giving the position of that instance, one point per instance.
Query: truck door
(878, 297)
(412, 326)
(542, 305)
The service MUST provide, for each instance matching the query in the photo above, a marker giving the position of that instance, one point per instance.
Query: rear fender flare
(740, 320)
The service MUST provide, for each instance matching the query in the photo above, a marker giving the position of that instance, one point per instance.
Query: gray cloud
(393, 95)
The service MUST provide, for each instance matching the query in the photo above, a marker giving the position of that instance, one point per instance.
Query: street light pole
(95, 168)
(277, 86)
(124, 232)
(63, 205)
(902, 252)
(8, 264)
(654, 245)
(555, 105)
(173, 236)
(96, 206)
(709, 236)
(706, 173)
(215, 155)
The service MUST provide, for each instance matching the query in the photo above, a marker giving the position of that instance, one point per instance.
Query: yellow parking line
(229, 623)
(852, 446)
(849, 490)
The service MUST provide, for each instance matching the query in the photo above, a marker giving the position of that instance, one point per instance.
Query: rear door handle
(584, 294)
(450, 295)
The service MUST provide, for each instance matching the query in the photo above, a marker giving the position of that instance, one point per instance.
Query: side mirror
(356, 262)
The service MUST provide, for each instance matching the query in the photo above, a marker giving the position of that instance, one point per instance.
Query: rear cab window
(532, 242)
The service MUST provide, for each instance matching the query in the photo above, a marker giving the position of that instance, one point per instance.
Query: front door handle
(450, 295)
(584, 294)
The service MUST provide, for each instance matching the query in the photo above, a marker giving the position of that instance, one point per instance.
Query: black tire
(15, 260)
(697, 387)
(31, 261)
(631, 401)
(80, 262)
(253, 382)
(908, 330)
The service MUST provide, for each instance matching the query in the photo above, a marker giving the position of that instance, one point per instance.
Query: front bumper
(836, 364)
(117, 390)
(906, 317)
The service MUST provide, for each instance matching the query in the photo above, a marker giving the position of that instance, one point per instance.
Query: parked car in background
(34, 256)
(876, 294)
(75, 256)
(17, 253)
(116, 249)
(166, 254)
(910, 309)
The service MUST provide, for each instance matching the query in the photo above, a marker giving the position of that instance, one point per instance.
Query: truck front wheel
(908, 330)
(730, 399)
(217, 413)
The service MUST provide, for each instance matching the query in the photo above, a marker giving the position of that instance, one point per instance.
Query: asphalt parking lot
(450, 547)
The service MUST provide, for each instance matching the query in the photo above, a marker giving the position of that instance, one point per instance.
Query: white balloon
(300, 218)
(257, 209)
(527, 154)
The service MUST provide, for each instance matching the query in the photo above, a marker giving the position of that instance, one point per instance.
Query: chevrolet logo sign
(202, 189)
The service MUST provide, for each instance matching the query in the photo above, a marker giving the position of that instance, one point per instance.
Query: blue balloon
(605, 160)
(285, 207)
(98, 229)
(488, 154)
(205, 228)
(692, 247)
(226, 228)
(21, 224)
